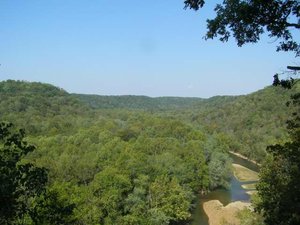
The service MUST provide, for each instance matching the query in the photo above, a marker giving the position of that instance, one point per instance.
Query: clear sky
(152, 48)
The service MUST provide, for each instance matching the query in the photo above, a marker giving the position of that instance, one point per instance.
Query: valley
(142, 160)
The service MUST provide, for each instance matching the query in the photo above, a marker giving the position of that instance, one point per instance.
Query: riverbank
(218, 213)
(244, 174)
(249, 186)
(220, 205)
(244, 157)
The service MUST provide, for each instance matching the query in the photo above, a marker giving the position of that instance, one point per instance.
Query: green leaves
(246, 21)
(104, 166)
(219, 170)
(170, 198)
(279, 185)
(19, 182)
(23, 194)
(53, 207)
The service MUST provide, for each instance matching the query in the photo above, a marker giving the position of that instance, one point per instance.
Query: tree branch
(296, 25)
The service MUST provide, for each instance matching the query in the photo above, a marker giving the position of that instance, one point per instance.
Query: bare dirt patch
(218, 214)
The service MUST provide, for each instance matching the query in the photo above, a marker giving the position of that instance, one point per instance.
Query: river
(234, 193)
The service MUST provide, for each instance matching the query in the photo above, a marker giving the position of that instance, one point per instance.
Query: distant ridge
(149, 103)
(137, 102)
(251, 122)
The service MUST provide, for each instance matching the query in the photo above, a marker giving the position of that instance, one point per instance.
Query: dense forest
(135, 159)
(250, 123)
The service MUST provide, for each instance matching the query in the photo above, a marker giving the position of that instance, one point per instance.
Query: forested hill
(36, 97)
(252, 122)
(38, 107)
(139, 160)
(148, 103)
(254, 119)
(112, 166)
(45, 99)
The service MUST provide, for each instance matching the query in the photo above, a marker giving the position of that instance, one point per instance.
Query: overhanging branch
(296, 25)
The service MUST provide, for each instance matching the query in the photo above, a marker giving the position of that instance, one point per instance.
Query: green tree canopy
(279, 186)
(18, 181)
(24, 196)
(247, 20)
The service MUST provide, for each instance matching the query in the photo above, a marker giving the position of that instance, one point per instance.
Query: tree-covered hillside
(112, 166)
(148, 103)
(249, 122)
(138, 102)
(40, 108)
(134, 159)
(252, 122)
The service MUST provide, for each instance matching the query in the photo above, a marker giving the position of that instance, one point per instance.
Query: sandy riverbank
(244, 157)
(249, 186)
(244, 174)
(217, 213)
(251, 192)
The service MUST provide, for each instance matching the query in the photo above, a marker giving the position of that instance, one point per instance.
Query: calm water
(235, 193)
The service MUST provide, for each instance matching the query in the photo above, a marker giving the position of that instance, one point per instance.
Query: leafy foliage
(112, 161)
(248, 123)
(247, 20)
(248, 217)
(53, 207)
(37, 101)
(25, 198)
(279, 191)
(138, 102)
(19, 182)
(134, 164)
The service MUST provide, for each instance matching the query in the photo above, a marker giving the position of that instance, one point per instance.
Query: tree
(19, 182)
(279, 185)
(219, 170)
(247, 217)
(53, 207)
(24, 197)
(247, 20)
(168, 201)
(110, 186)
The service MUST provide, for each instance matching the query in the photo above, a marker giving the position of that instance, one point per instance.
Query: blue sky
(152, 48)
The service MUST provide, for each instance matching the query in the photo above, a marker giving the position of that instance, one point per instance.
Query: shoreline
(244, 157)
(218, 213)
(243, 174)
